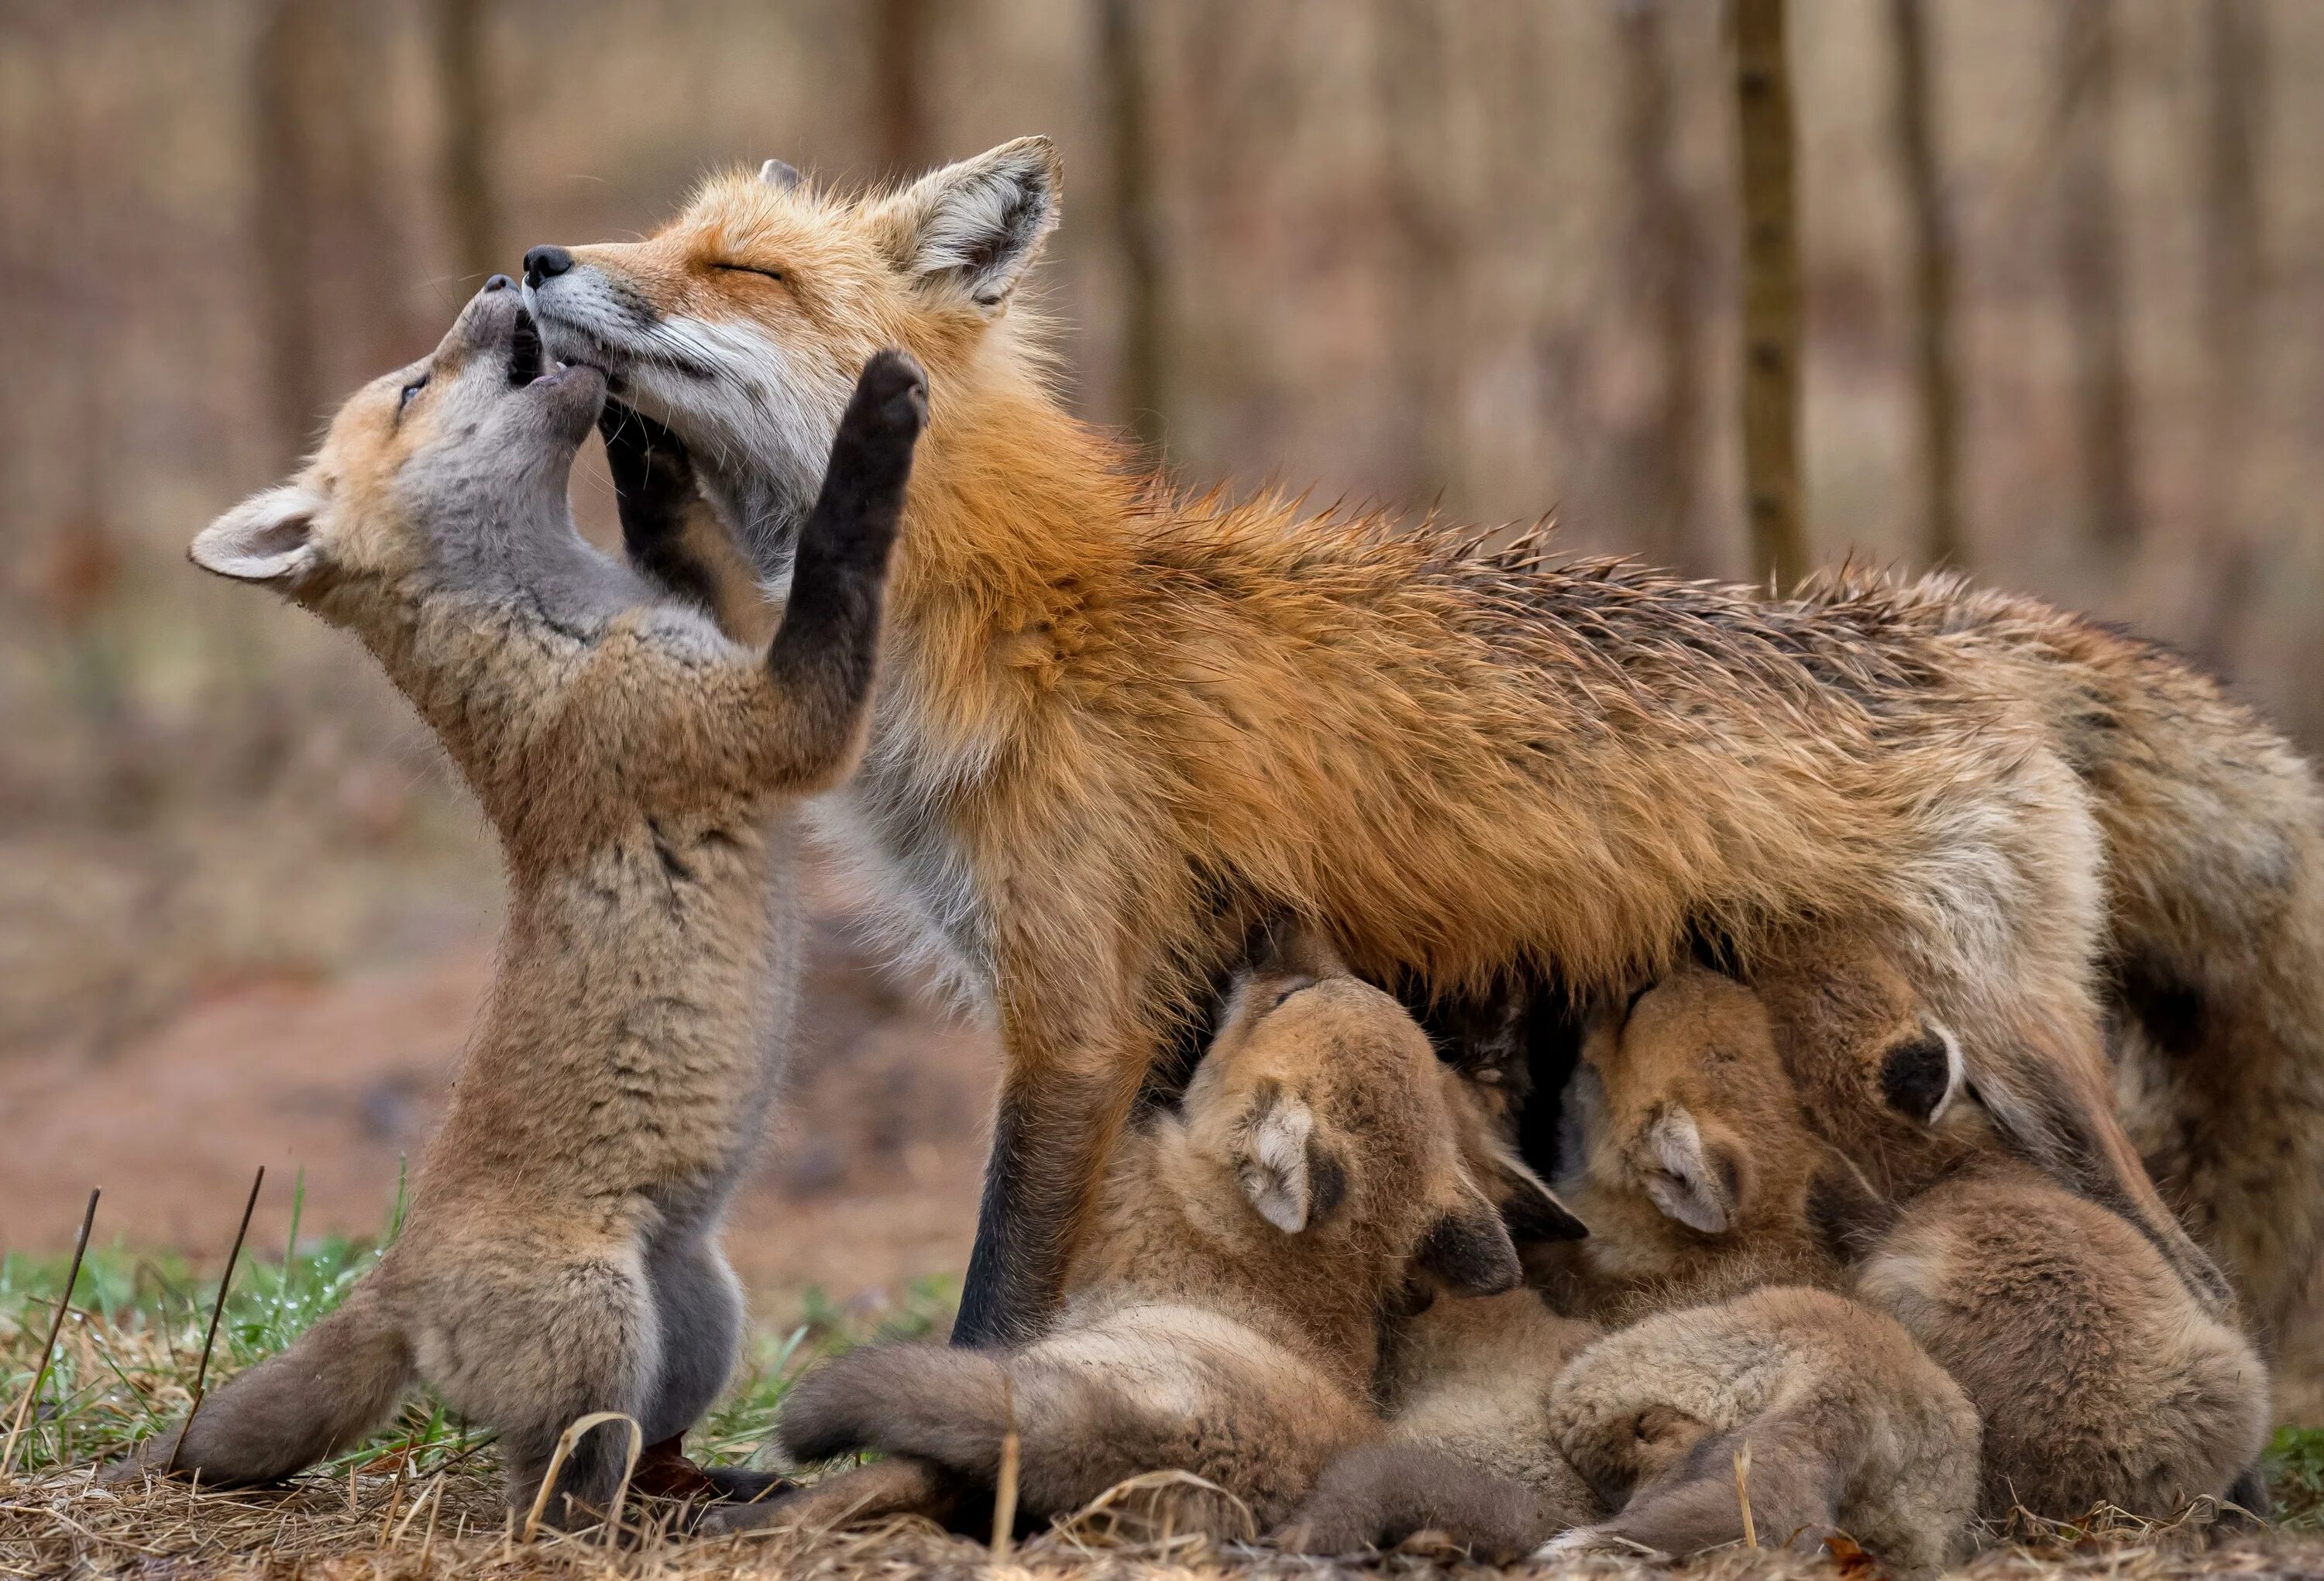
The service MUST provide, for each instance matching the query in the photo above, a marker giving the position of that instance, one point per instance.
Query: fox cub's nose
(541, 262)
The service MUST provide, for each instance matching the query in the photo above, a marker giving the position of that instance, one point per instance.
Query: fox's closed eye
(410, 389)
(774, 274)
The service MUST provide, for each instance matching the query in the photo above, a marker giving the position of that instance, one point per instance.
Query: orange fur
(1118, 724)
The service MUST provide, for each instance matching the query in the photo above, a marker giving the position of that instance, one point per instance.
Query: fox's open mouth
(528, 364)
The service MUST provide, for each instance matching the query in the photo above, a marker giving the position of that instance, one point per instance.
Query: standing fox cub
(1119, 724)
(1224, 1319)
(560, 1256)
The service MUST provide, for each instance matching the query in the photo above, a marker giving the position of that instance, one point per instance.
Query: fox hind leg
(535, 1356)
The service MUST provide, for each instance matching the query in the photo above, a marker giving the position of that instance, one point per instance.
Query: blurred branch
(1425, 242)
(2234, 283)
(464, 168)
(899, 104)
(289, 41)
(1662, 254)
(2090, 263)
(1937, 385)
(1772, 389)
(1137, 223)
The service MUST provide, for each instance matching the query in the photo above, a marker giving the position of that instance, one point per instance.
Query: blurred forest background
(2061, 275)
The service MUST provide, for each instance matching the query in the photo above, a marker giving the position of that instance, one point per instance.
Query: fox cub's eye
(751, 269)
(410, 389)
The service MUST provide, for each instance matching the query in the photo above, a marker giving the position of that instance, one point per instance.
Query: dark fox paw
(891, 397)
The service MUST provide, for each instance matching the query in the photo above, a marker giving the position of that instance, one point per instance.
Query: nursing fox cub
(560, 1255)
(2098, 1377)
(1224, 1319)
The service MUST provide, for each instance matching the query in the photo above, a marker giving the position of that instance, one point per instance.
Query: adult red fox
(1119, 724)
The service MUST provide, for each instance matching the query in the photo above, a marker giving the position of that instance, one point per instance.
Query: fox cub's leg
(823, 654)
(654, 489)
(320, 1396)
(699, 1303)
(529, 1349)
(949, 1406)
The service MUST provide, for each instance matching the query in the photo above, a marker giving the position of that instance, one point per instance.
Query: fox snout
(542, 263)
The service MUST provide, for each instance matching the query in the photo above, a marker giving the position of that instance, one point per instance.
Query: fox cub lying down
(560, 1255)
(1629, 1438)
(1222, 1316)
(2097, 1377)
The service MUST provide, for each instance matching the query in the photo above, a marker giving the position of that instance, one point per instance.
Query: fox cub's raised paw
(872, 457)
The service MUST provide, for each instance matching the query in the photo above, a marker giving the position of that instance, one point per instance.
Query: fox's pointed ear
(1470, 1248)
(1290, 1174)
(780, 174)
(269, 537)
(1691, 1181)
(975, 227)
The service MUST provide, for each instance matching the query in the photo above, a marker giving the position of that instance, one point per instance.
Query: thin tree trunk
(463, 166)
(1664, 251)
(1932, 244)
(289, 41)
(898, 85)
(2234, 280)
(1409, 67)
(1138, 225)
(1772, 385)
(2091, 264)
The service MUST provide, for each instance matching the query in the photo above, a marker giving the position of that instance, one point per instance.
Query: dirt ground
(870, 1180)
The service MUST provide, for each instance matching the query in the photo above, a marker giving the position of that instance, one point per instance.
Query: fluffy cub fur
(1223, 1318)
(1691, 1159)
(2100, 1379)
(1847, 1425)
(560, 1256)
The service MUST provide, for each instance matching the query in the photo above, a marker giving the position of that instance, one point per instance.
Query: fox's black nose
(541, 262)
(499, 283)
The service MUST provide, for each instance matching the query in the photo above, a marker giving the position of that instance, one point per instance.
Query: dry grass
(422, 1499)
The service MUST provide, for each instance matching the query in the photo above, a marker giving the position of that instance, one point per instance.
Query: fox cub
(2099, 1377)
(1846, 1423)
(1696, 1174)
(560, 1256)
(1222, 1316)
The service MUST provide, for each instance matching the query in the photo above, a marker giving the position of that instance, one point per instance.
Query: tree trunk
(464, 168)
(1663, 253)
(1423, 247)
(898, 85)
(1772, 387)
(290, 42)
(2090, 259)
(2234, 282)
(1138, 225)
(1931, 240)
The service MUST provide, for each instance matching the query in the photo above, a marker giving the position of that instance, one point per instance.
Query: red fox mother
(1116, 726)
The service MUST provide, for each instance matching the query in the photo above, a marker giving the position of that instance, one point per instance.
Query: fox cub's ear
(1691, 1181)
(975, 226)
(1293, 1176)
(1469, 1249)
(269, 537)
(1920, 1075)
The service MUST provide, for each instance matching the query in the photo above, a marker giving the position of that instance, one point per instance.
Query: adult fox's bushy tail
(325, 1393)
